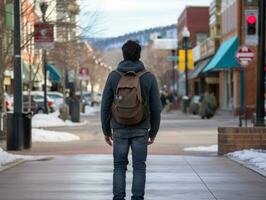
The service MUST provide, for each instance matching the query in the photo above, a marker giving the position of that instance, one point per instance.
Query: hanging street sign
(172, 58)
(44, 35)
(84, 74)
(244, 56)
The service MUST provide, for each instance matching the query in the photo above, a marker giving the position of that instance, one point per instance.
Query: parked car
(195, 104)
(35, 107)
(38, 98)
(57, 97)
(9, 102)
(97, 97)
(89, 99)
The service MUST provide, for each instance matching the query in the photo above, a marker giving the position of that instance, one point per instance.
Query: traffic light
(251, 25)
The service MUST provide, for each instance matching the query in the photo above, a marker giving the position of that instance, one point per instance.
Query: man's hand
(151, 140)
(109, 139)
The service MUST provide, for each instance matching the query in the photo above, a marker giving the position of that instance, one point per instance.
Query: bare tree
(156, 61)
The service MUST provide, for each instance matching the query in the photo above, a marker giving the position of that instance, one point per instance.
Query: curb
(12, 164)
(251, 167)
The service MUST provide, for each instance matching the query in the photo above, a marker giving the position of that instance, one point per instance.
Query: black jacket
(150, 94)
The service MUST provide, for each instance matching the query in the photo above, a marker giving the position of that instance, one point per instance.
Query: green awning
(54, 74)
(225, 56)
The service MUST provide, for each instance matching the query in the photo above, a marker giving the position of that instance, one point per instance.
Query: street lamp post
(261, 64)
(174, 73)
(43, 7)
(15, 120)
(186, 35)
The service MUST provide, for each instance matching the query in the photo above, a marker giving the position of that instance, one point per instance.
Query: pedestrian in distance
(130, 116)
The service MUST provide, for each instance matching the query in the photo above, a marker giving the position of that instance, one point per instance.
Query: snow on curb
(40, 135)
(52, 120)
(252, 159)
(6, 158)
(212, 148)
(91, 111)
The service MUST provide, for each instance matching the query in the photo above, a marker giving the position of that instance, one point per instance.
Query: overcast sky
(117, 17)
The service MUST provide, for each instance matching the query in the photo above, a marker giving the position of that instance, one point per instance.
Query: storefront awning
(225, 56)
(199, 68)
(54, 74)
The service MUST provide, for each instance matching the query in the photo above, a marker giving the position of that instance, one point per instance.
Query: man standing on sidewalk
(130, 116)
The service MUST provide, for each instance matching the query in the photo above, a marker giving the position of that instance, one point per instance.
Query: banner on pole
(44, 35)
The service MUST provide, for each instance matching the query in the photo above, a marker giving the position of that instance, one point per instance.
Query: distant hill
(143, 37)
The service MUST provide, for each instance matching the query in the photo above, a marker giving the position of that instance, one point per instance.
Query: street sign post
(244, 56)
(44, 35)
(84, 74)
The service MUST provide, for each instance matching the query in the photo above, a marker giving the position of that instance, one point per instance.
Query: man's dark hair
(131, 50)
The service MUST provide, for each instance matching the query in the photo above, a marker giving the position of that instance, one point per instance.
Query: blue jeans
(121, 147)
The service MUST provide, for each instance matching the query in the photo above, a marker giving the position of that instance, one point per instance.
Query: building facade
(196, 19)
(234, 88)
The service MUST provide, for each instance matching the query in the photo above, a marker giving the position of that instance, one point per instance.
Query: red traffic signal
(251, 25)
(251, 19)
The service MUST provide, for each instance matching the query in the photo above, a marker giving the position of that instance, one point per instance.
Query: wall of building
(197, 21)
(229, 87)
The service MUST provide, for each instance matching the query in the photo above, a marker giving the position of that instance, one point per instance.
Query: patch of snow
(255, 158)
(6, 157)
(212, 148)
(91, 111)
(52, 120)
(40, 135)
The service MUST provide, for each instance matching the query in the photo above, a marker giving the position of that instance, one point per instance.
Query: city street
(83, 169)
(177, 132)
(72, 70)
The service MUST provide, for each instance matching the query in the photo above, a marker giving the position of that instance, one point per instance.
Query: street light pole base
(15, 132)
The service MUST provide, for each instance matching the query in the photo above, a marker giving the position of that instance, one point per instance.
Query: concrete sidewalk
(169, 177)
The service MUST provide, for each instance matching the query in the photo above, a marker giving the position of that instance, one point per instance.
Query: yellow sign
(182, 60)
(7, 81)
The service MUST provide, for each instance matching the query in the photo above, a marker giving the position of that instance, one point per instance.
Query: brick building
(196, 19)
(233, 35)
(203, 53)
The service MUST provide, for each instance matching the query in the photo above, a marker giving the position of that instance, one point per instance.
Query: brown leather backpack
(128, 107)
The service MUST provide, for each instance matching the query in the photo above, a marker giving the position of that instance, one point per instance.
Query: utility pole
(261, 65)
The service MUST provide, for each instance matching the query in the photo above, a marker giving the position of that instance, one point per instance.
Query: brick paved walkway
(169, 177)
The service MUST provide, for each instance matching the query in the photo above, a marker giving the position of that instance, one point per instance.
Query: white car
(57, 97)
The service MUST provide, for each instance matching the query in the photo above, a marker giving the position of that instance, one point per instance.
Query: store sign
(44, 35)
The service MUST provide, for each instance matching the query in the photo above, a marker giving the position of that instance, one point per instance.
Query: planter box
(234, 139)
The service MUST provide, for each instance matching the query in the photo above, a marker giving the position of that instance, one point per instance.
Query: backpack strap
(141, 73)
(118, 72)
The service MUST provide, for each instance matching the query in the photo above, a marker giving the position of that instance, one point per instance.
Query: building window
(201, 37)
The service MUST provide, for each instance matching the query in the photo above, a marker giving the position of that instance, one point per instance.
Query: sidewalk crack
(205, 184)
